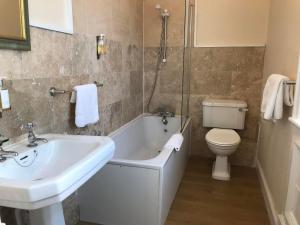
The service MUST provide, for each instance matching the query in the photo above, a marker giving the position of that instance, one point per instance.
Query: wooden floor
(201, 200)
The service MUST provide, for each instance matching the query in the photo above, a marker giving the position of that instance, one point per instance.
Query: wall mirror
(14, 25)
(54, 15)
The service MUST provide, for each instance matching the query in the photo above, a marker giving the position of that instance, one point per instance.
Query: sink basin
(47, 174)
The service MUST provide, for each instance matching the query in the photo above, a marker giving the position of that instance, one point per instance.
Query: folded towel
(289, 95)
(272, 103)
(174, 142)
(86, 111)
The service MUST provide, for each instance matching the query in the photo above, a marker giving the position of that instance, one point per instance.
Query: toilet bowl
(224, 116)
(222, 142)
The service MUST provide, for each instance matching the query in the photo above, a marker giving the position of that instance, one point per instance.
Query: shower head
(163, 13)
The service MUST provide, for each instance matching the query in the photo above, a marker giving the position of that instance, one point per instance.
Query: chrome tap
(5, 154)
(165, 115)
(164, 120)
(32, 139)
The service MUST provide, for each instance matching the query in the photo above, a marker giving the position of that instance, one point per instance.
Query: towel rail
(53, 91)
(290, 82)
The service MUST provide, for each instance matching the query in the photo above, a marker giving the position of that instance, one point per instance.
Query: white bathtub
(138, 185)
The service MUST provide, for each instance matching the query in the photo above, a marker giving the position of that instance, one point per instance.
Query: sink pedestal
(50, 215)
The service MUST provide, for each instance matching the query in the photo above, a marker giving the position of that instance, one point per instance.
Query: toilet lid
(223, 137)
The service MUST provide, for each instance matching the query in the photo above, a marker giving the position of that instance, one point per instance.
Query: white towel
(272, 103)
(86, 111)
(174, 142)
(289, 95)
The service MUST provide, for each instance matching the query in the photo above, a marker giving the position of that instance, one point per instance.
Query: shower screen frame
(186, 73)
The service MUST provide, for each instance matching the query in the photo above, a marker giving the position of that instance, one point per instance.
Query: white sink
(43, 176)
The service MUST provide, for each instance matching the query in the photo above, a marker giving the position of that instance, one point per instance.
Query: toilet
(224, 117)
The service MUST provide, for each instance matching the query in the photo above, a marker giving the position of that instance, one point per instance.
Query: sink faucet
(5, 154)
(32, 139)
(164, 115)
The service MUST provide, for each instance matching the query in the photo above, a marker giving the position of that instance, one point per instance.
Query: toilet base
(221, 169)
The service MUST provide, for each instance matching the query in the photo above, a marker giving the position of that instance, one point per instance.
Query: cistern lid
(223, 137)
(224, 103)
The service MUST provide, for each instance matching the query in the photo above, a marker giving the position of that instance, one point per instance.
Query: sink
(40, 178)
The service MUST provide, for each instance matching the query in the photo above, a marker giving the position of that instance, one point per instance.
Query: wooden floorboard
(200, 200)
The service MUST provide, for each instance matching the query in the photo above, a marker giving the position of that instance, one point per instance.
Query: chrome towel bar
(290, 82)
(54, 91)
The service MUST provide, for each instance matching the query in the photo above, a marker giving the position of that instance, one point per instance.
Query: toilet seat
(223, 137)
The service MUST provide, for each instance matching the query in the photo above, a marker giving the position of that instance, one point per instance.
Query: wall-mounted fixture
(54, 15)
(54, 91)
(4, 98)
(101, 45)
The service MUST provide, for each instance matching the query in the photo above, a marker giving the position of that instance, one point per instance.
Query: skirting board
(273, 215)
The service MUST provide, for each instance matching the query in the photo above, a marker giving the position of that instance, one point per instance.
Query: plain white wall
(282, 55)
(221, 23)
(51, 14)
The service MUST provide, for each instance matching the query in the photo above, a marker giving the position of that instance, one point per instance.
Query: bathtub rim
(157, 162)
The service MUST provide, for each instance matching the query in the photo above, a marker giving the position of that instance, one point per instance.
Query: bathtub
(138, 185)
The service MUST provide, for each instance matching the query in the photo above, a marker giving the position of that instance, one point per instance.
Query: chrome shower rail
(54, 91)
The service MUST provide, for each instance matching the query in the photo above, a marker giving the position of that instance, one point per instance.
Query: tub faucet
(164, 120)
(32, 139)
(165, 115)
(5, 154)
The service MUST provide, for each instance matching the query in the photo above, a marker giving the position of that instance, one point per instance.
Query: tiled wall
(228, 73)
(152, 22)
(167, 94)
(63, 61)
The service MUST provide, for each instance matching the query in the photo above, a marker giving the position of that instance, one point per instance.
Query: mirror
(14, 25)
(56, 15)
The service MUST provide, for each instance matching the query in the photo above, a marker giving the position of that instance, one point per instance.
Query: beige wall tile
(153, 22)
